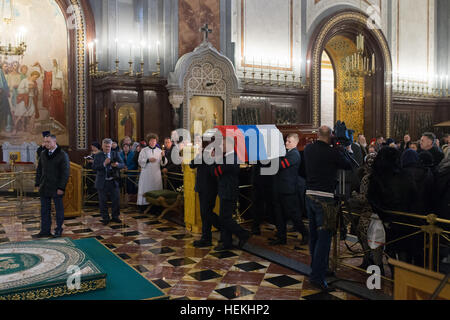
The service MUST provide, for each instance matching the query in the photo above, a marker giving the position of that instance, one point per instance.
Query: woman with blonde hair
(151, 158)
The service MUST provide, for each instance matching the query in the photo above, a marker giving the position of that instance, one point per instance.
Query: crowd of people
(383, 176)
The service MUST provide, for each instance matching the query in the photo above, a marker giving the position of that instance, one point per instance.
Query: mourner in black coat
(391, 188)
(286, 200)
(206, 186)
(442, 188)
(228, 190)
(52, 176)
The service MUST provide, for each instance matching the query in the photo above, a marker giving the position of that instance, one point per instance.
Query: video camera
(341, 135)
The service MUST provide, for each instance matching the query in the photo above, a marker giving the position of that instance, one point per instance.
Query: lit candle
(95, 49)
(157, 50)
(142, 50)
(131, 50)
(117, 48)
(91, 52)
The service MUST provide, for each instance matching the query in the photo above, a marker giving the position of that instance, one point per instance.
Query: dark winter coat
(53, 172)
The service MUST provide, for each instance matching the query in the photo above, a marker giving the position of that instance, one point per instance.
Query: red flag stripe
(283, 165)
(220, 170)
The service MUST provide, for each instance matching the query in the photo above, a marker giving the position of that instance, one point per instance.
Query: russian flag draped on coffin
(253, 143)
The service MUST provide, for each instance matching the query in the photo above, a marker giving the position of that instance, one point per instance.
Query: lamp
(12, 39)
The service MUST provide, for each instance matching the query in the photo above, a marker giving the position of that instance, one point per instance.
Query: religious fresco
(34, 89)
(206, 110)
(127, 122)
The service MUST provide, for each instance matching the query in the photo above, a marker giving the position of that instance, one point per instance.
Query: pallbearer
(286, 199)
(228, 190)
(206, 186)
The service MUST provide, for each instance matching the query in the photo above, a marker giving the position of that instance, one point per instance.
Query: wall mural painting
(34, 89)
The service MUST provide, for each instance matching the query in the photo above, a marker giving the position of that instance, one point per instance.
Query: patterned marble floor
(163, 253)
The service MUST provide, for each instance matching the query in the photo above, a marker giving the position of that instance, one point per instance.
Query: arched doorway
(376, 95)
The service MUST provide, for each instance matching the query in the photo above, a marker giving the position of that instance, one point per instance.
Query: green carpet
(122, 282)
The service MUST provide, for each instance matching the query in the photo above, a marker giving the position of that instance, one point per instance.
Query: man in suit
(286, 198)
(206, 186)
(228, 190)
(52, 176)
(108, 164)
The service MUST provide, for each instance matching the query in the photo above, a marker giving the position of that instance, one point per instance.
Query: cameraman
(322, 162)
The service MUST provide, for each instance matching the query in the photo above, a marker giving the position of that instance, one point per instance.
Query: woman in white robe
(150, 160)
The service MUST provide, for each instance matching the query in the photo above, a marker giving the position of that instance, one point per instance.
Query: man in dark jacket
(206, 186)
(52, 176)
(228, 190)
(107, 164)
(322, 165)
(427, 143)
(286, 200)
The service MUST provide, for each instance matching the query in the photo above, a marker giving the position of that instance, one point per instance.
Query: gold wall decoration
(349, 90)
(318, 47)
(81, 74)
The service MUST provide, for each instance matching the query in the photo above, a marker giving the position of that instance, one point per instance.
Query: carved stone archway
(351, 23)
(204, 72)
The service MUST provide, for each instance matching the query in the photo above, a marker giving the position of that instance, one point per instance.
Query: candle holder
(141, 74)
(253, 78)
(262, 77)
(293, 81)
(278, 79)
(117, 68)
(270, 78)
(301, 83)
(130, 70)
(285, 80)
(158, 69)
(245, 77)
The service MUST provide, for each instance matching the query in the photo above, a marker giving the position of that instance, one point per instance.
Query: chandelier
(12, 39)
(359, 64)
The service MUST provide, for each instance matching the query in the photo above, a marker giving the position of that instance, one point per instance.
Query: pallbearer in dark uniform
(228, 190)
(286, 193)
(206, 186)
(262, 196)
